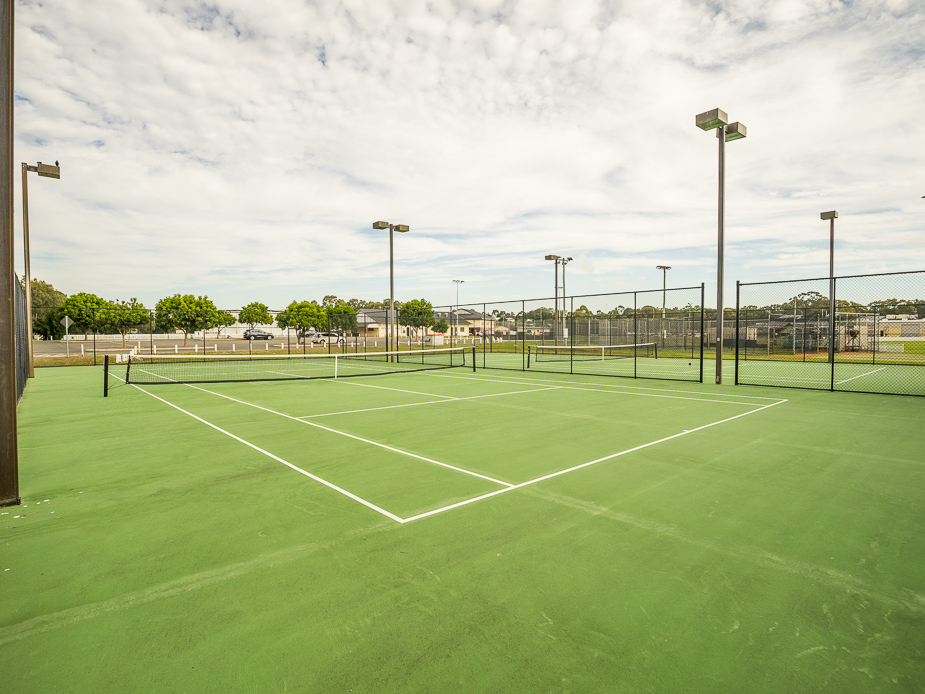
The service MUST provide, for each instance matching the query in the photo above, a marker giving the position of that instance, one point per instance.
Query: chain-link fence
(21, 329)
(863, 333)
(651, 334)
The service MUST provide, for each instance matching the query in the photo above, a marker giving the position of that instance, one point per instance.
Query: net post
(736, 379)
(473, 353)
(529, 348)
(106, 376)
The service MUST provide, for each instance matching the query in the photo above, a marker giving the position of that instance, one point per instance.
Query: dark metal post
(9, 461)
(523, 332)
(106, 376)
(571, 327)
(737, 334)
(635, 336)
(702, 297)
(832, 340)
(473, 358)
(203, 316)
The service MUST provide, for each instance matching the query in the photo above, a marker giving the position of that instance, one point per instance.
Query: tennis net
(168, 368)
(594, 352)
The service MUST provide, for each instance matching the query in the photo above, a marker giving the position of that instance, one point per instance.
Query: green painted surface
(779, 551)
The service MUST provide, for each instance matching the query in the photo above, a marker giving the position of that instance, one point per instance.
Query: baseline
(625, 392)
(584, 465)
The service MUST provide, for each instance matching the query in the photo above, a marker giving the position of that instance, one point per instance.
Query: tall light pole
(664, 269)
(47, 171)
(831, 216)
(555, 313)
(456, 313)
(401, 228)
(725, 132)
(564, 261)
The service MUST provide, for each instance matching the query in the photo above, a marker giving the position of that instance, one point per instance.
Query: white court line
(429, 402)
(528, 379)
(412, 392)
(333, 431)
(508, 487)
(838, 383)
(583, 465)
(598, 390)
(351, 436)
(278, 459)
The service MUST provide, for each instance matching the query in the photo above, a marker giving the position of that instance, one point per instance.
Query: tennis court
(445, 529)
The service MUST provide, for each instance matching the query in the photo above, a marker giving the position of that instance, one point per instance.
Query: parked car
(324, 338)
(253, 334)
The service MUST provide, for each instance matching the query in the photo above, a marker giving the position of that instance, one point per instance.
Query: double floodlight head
(829, 215)
(49, 170)
(552, 257)
(663, 267)
(395, 227)
(717, 118)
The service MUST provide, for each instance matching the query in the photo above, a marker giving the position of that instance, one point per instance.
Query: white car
(324, 338)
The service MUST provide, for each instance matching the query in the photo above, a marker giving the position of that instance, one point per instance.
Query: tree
(82, 308)
(341, 317)
(302, 316)
(441, 326)
(46, 318)
(221, 319)
(255, 314)
(185, 312)
(417, 314)
(123, 316)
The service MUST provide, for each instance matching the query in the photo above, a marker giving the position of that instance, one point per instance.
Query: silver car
(324, 338)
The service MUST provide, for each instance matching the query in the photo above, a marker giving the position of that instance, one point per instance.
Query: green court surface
(901, 379)
(451, 531)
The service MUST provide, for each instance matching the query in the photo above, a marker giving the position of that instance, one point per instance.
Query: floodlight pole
(9, 461)
(48, 171)
(725, 131)
(831, 216)
(555, 313)
(401, 228)
(664, 269)
(564, 262)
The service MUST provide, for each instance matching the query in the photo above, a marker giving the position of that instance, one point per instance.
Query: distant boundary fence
(672, 319)
(788, 336)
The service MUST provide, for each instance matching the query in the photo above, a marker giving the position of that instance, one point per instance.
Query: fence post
(702, 295)
(106, 376)
(635, 334)
(736, 382)
(832, 334)
(524, 361)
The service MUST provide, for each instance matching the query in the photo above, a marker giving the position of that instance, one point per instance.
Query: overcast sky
(243, 149)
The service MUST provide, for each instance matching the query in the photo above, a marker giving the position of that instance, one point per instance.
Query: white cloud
(243, 150)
